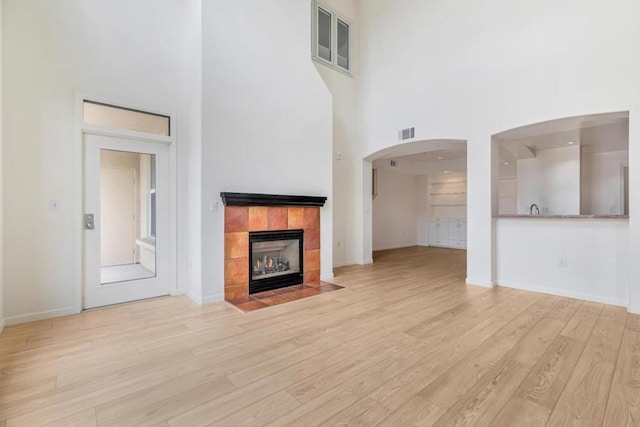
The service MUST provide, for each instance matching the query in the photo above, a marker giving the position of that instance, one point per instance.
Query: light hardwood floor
(405, 343)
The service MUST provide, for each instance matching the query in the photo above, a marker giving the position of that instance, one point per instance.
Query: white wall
(190, 242)
(596, 253)
(469, 70)
(266, 114)
(507, 196)
(52, 50)
(346, 161)
(395, 211)
(551, 180)
(1, 177)
(602, 182)
(422, 200)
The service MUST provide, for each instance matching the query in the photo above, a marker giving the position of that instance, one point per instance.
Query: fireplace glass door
(276, 259)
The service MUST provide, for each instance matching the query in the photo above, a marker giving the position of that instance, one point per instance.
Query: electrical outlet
(562, 262)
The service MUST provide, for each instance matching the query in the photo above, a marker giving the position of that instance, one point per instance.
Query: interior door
(126, 217)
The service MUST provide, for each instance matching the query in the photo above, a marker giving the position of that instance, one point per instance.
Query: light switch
(54, 205)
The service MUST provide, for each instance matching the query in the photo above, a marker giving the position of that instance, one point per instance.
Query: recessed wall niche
(577, 166)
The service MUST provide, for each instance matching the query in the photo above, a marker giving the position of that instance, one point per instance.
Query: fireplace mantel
(252, 199)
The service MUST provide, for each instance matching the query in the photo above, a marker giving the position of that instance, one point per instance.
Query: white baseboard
(367, 261)
(326, 276)
(564, 293)
(478, 282)
(633, 308)
(195, 298)
(386, 248)
(206, 299)
(41, 315)
(345, 263)
(2, 322)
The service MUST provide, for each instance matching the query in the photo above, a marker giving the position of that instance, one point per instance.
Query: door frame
(81, 129)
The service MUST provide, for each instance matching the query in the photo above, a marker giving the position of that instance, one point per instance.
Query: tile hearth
(279, 296)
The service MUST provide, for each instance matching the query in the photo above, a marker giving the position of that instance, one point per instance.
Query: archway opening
(416, 198)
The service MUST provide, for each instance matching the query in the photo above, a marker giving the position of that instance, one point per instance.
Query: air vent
(407, 133)
(393, 163)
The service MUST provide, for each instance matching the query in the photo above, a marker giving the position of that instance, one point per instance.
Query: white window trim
(335, 16)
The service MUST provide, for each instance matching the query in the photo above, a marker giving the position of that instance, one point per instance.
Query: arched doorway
(410, 191)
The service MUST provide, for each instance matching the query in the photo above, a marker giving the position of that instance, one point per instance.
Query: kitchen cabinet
(448, 233)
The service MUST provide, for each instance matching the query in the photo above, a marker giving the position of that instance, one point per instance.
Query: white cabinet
(458, 233)
(438, 233)
(448, 233)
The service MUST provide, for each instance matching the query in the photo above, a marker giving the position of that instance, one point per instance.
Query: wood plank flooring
(405, 343)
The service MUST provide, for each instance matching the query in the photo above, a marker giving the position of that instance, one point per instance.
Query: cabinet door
(443, 232)
(453, 232)
(433, 233)
(462, 230)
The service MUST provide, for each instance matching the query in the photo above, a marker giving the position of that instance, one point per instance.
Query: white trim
(564, 293)
(367, 261)
(41, 315)
(195, 298)
(345, 263)
(205, 300)
(212, 298)
(77, 202)
(388, 248)
(327, 277)
(2, 324)
(478, 282)
(633, 308)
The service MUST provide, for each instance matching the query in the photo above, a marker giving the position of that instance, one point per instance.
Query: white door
(126, 207)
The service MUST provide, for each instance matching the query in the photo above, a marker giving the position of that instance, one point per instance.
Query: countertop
(544, 216)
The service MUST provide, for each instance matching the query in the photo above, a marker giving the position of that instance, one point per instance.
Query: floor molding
(564, 293)
(346, 263)
(206, 299)
(195, 298)
(212, 298)
(387, 248)
(40, 315)
(478, 282)
(326, 277)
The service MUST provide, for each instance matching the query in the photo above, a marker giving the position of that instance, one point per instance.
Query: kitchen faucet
(531, 209)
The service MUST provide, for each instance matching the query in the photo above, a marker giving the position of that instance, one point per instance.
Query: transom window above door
(112, 116)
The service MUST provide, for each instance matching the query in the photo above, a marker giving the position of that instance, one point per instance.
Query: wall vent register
(407, 133)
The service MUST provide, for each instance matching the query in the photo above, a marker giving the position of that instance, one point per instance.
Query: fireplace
(275, 259)
(253, 224)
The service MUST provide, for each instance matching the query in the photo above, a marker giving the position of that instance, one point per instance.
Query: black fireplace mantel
(252, 199)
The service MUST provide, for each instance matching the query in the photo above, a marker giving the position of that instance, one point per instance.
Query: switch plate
(54, 205)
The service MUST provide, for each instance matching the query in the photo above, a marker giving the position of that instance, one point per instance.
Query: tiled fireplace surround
(240, 220)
